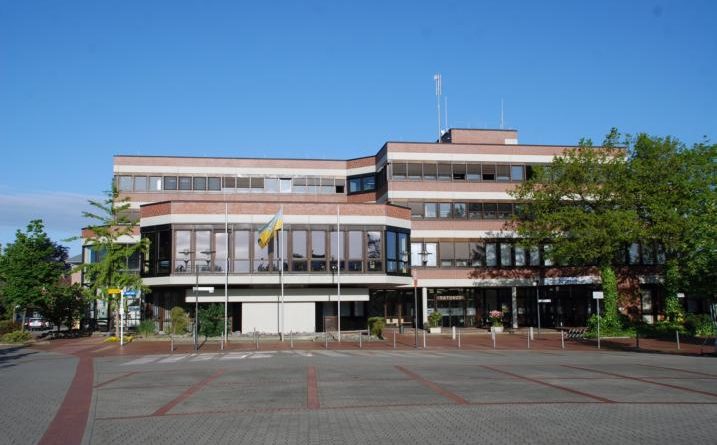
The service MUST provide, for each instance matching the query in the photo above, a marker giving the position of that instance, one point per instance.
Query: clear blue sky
(81, 81)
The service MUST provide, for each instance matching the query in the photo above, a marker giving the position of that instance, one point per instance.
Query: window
(430, 210)
(506, 257)
(459, 172)
(182, 247)
(505, 211)
(547, 261)
(185, 183)
(416, 209)
(257, 185)
(155, 183)
(648, 253)
(535, 256)
(242, 244)
(475, 210)
(164, 251)
(355, 251)
(431, 259)
(462, 254)
(488, 172)
(413, 171)
(502, 172)
(416, 260)
(285, 185)
(340, 185)
(214, 183)
(220, 252)
(490, 210)
(516, 173)
(261, 256)
(271, 185)
(444, 172)
(354, 185)
(229, 183)
(477, 254)
(473, 172)
(634, 253)
(459, 210)
(124, 183)
(491, 257)
(399, 170)
(520, 259)
(444, 210)
(335, 248)
(243, 185)
(327, 185)
(369, 183)
(140, 183)
(318, 251)
(202, 244)
(373, 251)
(298, 250)
(200, 183)
(391, 252)
(447, 253)
(429, 172)
(312, 185)
(170, 183)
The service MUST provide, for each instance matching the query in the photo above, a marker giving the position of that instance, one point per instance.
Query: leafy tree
(576, 206)
(672, 188)
(30, 267)
(109, 229)
(63, 303)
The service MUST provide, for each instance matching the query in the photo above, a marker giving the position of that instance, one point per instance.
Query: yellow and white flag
(267, 230)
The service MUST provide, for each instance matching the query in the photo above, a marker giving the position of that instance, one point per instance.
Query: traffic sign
(209, 289)
(130, 293)
(597, 295)
(544, 300)
(114, 291)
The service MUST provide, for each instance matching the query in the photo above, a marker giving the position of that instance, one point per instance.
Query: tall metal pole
(226, 271)
(439, 91)
(537, 300)
(338, 270)
(281, 268)
(415, 313)
(196, 303)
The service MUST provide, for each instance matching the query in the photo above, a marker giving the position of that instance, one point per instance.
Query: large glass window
(200, 183)
(490, 210)
(391, 252)
(220, 254)
(444, 172)
(516, 172)
(355, 251)
(170, 183)
(477, 254)
(140, 183)
(473, 172)
(271, 185)
(242, 245)
(185, 183)
(369, 183)
(634, 253)
(202, 243)
(505, 210)
(475, 210)
(444, 210)
(298, 250)
(447, 253)
(535, 256)
(429, 172)
(502, 172)
(459, 172)
(398, 170)
(430, 210)
(506, 257)
(125, 183)
(214, 183)
(414, 171)
(261, 256)
(403, 252)
(354, 185)
(462, 254)
(431, 257)
(155, 183)
(459, 210)
(520, 259)
(285, 185)
(491, 255)
(182, 251)
(318, 251)
(373, 251)
(335, 248)
(164, 252)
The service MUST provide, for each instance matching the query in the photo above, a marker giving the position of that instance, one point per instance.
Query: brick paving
(142, 393)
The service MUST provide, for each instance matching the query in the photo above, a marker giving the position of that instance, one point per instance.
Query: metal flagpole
(338, 269)
(226, 270)
(281, 275)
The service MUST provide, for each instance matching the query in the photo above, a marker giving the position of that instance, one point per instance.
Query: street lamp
(537, 302)
(424, 254)
(186, 254)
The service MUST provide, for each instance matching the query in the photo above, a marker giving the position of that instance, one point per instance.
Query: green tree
(575, 205)
(211, 320)
(672, 189)
(30, 267)
(108, 234)
(63, 303)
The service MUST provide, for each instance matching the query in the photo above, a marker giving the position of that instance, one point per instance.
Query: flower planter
(497, 329)
(436, 330)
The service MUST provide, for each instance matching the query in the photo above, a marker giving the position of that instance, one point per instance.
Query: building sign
(450, 297)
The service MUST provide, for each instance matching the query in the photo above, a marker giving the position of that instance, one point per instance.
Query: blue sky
(81, 81)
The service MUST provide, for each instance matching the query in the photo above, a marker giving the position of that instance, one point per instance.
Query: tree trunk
(22, 323)
(116, 316)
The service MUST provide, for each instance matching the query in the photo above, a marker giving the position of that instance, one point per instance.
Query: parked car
(36, 323)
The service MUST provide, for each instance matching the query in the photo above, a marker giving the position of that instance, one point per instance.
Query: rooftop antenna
(439, 91)
(501, 113)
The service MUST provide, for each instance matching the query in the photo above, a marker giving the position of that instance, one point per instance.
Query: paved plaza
(354, 396)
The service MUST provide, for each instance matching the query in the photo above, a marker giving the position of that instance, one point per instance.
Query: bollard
(677, 337)
(171, 343)
(531, 333)
(492, 334)
(326, 341)
(291, 339)
(562, 339)
(528, 341)
(394, 339)
(637, 338)
(424, 340)
(453, 333)
(256, 338)
(459, 339)
(360, 337)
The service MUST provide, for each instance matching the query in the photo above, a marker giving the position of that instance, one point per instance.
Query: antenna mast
(439, 92)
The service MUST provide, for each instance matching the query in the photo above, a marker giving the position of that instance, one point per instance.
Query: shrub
(609, 327)
(113, 339)
(700, 325)
(146, 328)
(16, 337)
(210, 320)
(376, 325)
(435, 319)
(7, 326)
(179, 320)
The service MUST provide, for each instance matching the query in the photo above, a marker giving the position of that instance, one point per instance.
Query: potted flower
(496, 321)
(434, 322)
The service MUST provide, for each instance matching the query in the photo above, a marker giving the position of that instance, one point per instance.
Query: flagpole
(338, 268)
(226, 271)
(281, 268)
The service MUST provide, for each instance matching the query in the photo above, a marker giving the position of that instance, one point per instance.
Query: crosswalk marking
(145, 359)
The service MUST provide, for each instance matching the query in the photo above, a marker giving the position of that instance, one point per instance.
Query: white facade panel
(432, 194)
(463, 157)
(264, 317)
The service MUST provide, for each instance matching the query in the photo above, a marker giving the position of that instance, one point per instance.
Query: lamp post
(537, 302)
(195, 290)
(424, 254)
